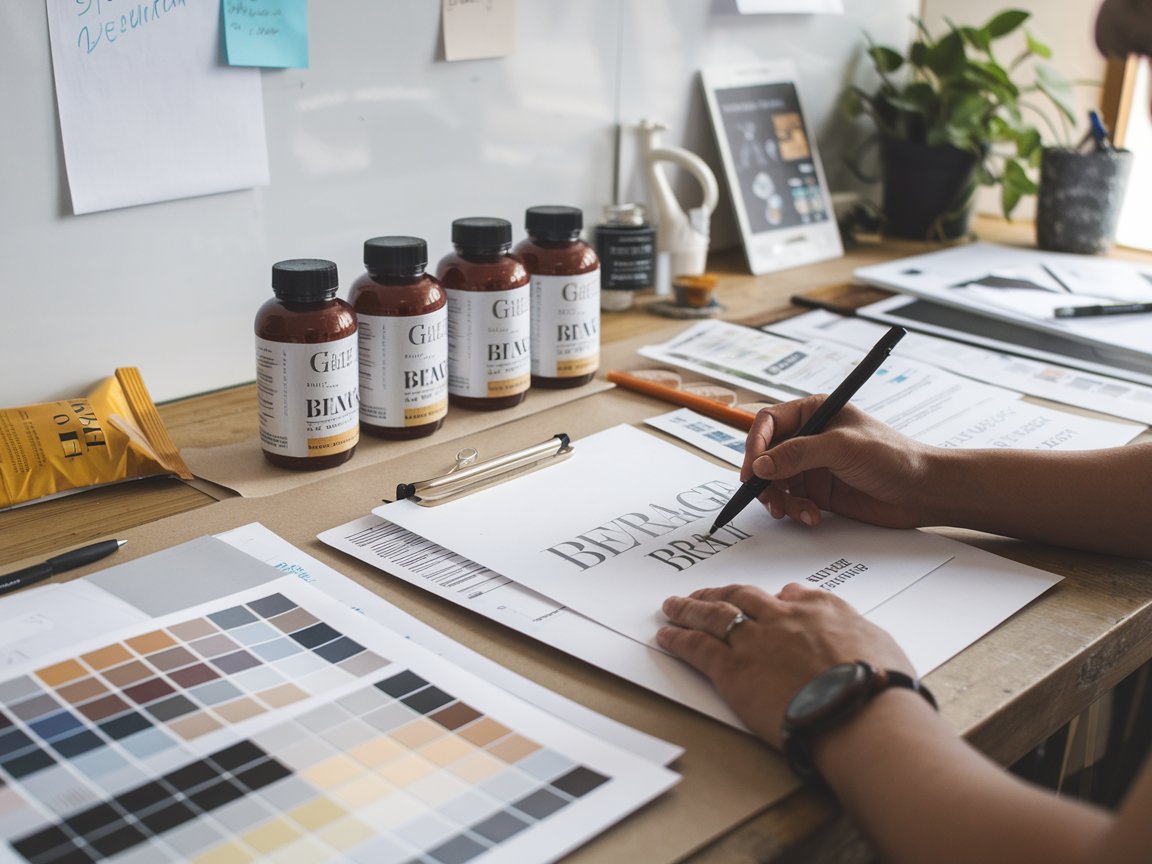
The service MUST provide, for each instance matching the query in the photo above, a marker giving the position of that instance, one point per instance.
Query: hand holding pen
(814, 423)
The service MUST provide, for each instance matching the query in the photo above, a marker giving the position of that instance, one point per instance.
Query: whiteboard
(379, 136)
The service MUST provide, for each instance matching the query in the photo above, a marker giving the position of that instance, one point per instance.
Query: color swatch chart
(278, 725)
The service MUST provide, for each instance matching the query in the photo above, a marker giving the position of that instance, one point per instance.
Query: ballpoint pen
(58, 564)
(750, 490)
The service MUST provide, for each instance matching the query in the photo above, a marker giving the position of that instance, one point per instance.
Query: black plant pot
(1079, 199)
(927, 190)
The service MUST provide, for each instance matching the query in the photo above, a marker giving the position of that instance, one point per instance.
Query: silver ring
(739, 619)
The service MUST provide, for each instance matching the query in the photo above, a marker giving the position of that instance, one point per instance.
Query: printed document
(919, 400)
(1082, 389)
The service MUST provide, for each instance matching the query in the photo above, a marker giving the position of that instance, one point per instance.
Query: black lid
(554, 222)
(395, 256)
(482, 232)
(304, 279)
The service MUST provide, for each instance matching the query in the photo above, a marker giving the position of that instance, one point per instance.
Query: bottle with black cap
(306, 368)
(565, 297)
(403, 318)
(489, 359)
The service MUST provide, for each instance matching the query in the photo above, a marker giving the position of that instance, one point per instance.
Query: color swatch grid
(259, 730)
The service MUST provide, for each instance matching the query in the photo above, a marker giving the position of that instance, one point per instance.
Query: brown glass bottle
(403, 336)
(565, 297)
(306, 368)
(489, 353)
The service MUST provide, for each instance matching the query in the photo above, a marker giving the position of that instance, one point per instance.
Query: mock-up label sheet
(622, 524)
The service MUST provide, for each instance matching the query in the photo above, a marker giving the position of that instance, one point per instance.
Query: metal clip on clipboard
(469, 476)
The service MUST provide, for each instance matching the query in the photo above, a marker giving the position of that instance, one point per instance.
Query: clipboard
(469, 475)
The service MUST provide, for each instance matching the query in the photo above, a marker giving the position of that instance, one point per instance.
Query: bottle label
(488, 343)
(308, 396)
(566, 325)
(403, 368)
(627, 256)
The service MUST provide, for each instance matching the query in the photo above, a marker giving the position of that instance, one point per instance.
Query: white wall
(379, 136)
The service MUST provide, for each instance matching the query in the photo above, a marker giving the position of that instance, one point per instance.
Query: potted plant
(950, 116)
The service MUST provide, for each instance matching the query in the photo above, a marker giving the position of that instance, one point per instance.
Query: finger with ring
(739, 619)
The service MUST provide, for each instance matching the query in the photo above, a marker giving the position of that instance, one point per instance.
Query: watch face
(826, 693)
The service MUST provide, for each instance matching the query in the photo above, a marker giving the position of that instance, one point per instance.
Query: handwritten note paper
(477, 29)
(147, 113)
(269, 33)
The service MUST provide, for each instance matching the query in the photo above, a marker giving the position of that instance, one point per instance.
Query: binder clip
(469, 475)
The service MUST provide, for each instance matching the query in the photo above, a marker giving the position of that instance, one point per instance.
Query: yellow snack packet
(113, 435)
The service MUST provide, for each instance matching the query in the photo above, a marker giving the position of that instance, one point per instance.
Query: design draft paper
(622, 524)
(147, 111)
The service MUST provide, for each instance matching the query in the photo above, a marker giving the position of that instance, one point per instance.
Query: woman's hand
(786, 641)
(858, 467)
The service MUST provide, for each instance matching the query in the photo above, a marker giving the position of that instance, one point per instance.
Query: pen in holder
(1079, 199)
(468, 475)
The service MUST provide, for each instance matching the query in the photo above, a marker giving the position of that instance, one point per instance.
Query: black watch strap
(797, 738)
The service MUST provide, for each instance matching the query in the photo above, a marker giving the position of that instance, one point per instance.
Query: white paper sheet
(932, 620)
(790, 7)
(1034, 377)
(919, 400)
(954, 276)
(421, 562)
(621, 524)
(147, 111)
(267, 546)
(703, 433)
(38, 621)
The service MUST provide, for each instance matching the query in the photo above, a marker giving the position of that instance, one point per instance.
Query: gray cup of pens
(1079, 199)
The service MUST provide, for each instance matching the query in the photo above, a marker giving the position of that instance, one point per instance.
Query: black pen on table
(69, 560)
(750, 490)
(1096, 311)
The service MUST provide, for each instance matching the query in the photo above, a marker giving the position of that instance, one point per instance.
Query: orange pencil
(707, 407)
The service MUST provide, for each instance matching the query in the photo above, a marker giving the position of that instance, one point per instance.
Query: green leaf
(1006, 22)
(968, 113)
(977, 38)
(1053, 85)
(1037, 48)
(886, 59)
(1028, 144)
(947, 58)
(1009, 197)
(917, 98)
(1016, 178)
(917, 53)
(1014, 184)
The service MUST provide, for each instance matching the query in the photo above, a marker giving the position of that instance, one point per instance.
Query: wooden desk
(1005, 694)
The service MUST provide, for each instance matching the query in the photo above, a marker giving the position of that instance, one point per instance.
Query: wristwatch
(831, 698)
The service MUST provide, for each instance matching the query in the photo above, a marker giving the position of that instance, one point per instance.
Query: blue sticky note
(271, 33)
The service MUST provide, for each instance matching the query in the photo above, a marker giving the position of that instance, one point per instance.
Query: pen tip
(120, 543)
